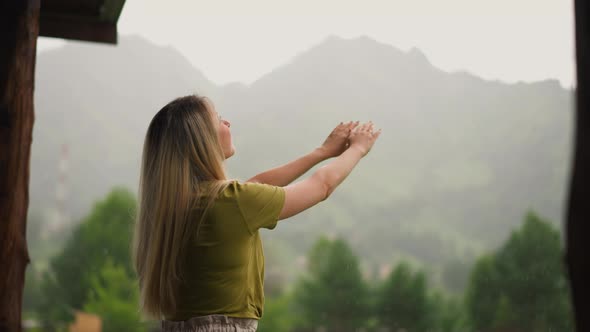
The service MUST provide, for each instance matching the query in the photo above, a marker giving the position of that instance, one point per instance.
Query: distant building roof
(88, 20)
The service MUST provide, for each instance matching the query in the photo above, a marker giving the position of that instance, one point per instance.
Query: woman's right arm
(304, 194)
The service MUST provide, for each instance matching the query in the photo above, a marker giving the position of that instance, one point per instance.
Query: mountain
(98, 100)
(459, 162)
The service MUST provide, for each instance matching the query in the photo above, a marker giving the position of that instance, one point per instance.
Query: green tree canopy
(482, 298)
(333, 295)
(403, 302)
(104, 235)
(278, 314)
(448, 313)
(522, 285)
(114, 296)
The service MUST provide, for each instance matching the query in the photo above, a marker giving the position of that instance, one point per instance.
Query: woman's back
(223, 270)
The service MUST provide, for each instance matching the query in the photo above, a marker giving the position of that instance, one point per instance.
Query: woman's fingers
(360, 127)
(343, 127)
(367, 126)
(356, 126)
(350, 125)
(376, 134)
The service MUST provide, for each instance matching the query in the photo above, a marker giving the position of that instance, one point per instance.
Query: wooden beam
(578, 214)
(71, 28)
(18, 35)
(112, 10)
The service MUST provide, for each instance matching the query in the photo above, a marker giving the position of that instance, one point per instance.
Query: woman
(197, 250)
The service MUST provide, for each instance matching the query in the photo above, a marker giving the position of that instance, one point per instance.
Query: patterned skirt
(211, 323)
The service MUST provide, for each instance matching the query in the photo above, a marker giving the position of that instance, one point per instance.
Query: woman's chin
(233, 151)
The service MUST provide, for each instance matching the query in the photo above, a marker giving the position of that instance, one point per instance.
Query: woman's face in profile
(224, 134)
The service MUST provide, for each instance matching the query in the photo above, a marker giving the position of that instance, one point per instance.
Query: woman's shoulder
(236, 188)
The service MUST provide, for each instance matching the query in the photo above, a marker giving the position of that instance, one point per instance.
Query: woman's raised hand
(362, 137)
(337, 141)
(304, 194)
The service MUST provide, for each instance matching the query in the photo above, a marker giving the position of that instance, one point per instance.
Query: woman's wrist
(321, 153)
(357, 147)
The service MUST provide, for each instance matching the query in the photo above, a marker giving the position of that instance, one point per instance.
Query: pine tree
(522, 285)
(404, 302)
(333, 295)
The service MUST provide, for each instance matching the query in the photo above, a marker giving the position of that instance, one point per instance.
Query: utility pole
(61, 220)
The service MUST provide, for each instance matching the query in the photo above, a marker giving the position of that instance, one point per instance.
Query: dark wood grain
(19, 29)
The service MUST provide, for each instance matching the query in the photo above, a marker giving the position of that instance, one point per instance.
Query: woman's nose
(227, 123)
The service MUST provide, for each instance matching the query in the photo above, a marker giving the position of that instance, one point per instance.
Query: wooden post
(18, 30)
(578, 214)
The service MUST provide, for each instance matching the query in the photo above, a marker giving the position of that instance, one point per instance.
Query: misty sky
(509, 40)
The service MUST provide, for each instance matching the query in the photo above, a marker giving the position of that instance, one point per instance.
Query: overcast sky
(509, 40)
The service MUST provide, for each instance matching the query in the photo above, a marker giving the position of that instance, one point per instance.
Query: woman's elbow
(327, 190)
(327, 181)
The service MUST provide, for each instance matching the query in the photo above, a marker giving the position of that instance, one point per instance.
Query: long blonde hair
(182, 163)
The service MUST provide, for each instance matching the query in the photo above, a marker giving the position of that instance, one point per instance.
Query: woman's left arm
(333, 146)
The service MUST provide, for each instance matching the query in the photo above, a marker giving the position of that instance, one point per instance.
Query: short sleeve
(260, 204)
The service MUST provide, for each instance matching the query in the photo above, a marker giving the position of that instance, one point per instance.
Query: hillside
(459, 162)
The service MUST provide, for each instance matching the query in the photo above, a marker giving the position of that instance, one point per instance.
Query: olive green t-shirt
(224, 269)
